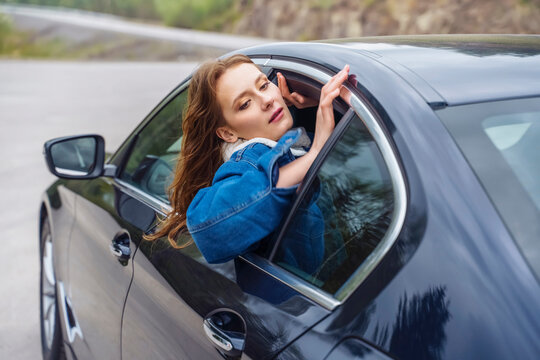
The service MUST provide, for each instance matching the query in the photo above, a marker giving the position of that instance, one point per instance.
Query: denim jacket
(243, 204)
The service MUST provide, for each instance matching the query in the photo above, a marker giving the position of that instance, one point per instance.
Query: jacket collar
(227, 149)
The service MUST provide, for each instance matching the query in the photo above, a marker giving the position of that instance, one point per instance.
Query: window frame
(361, 109)
(126, 149)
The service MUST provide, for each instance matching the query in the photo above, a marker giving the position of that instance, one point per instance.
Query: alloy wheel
(48, 292)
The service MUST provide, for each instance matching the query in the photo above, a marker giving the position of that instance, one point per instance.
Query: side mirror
(75, 157)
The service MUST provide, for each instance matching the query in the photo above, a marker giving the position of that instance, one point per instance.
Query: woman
(236, 175)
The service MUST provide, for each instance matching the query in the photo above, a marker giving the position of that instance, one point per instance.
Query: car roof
(459, 68)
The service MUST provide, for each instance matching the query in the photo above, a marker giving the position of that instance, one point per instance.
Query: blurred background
(297, 20)
(99, 66)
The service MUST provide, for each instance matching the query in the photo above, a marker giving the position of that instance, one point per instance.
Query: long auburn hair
(200, 154)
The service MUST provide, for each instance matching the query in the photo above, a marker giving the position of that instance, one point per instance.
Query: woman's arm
(294, 172)
(242, 202)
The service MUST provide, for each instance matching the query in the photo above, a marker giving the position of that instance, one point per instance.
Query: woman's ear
(225, 133)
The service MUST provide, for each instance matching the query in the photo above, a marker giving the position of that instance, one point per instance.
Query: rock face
(323, 19)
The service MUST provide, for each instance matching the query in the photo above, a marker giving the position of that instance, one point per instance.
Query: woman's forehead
(238, 79)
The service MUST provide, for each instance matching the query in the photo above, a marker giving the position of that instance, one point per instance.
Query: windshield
(501, 141)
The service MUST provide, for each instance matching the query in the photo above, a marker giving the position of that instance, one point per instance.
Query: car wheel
(51, 334)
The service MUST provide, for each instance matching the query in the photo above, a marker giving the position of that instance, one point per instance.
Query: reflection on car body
(428, 196)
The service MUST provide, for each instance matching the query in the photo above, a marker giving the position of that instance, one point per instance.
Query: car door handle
(120, 248)
(217, 336)
(222, 332)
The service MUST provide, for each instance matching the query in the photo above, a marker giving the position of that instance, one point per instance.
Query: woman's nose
(267, 101)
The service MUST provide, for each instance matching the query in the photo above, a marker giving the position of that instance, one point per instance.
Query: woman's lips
(277, 115)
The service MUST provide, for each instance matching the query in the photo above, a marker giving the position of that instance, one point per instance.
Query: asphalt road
(39, 101)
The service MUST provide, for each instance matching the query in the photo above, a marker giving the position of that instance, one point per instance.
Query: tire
(51, 333)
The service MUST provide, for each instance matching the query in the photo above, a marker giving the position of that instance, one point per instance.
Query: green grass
(189, 13)
(321, 4)
(17, 44)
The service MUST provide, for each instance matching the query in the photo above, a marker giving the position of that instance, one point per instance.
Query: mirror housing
(76, 157)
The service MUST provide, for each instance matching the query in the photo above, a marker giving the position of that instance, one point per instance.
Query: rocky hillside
(321, 19)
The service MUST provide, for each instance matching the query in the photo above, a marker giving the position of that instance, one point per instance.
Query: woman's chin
(283, 129)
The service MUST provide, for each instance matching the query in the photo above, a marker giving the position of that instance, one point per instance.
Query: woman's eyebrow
(259, 78)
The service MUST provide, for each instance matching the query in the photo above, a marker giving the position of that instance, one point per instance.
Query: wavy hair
(200, 154)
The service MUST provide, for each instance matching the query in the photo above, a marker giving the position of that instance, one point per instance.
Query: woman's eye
(244, 105)
(265, 85)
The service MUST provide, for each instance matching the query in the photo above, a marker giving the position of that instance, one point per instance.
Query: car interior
(155, 172)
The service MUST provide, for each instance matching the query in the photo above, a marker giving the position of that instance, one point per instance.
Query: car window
(343, 216)
(501, 141)
(151, 163)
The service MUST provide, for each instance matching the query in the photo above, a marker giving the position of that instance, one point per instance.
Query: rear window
(501, 141)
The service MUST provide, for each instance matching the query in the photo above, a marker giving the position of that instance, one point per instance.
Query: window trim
(398, 185)
(313, 293)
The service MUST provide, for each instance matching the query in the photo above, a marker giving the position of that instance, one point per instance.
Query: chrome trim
(400, 202)
(317, 295)
(48, 292)
(159, 205)
(305, 70)
(63, 171)
(217, 339)
(71, 332)
(390, 158)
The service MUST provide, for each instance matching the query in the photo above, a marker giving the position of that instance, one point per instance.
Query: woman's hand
(294, 172)
(299, 101)
(325, 113)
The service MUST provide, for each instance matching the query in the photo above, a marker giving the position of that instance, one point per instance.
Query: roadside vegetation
(199, 14)
(323, 19)
(17, 44)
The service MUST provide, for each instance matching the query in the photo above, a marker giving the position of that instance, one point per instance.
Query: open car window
(311, 89)
(350, 206)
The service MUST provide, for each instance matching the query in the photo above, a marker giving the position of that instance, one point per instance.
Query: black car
(430, 191)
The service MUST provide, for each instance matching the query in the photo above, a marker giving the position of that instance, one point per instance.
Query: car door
(179, 306)
(99, 268)
(109, 222)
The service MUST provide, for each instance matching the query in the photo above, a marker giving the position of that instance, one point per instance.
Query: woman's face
(252, 106)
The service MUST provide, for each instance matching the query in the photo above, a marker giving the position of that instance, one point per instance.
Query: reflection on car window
(344, 215)
(501, 141)
(74, 155)
(516, 137)
(151, 164)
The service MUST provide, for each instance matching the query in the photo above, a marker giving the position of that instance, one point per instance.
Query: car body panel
(97, 305)
(94, 209)
(452, 229)
(460, 69)
(168, 282)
